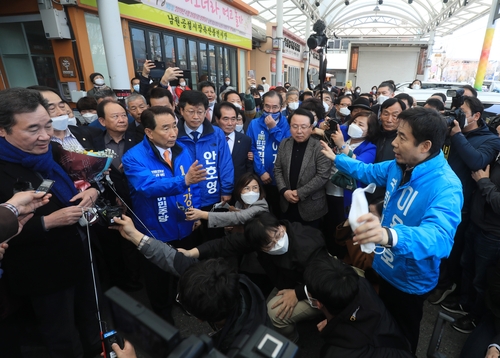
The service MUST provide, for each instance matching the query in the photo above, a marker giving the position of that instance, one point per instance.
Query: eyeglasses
(303, 127)
(192, 113)
(310, 299)
(229, 119)
(268, 108)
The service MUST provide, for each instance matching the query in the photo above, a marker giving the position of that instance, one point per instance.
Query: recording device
(455, 114)
(108, 339)
(152, 337)
(107, 212)
(332, 123)
(251, 74)
(318, 39)
(158, 71)
(45, 186)
(457, 97)
(186, 74)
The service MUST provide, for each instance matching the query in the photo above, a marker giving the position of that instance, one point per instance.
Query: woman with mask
(356, 139)
(97, 80)
(357, 92)
(181, 87)
(249, 198)
(416, 85)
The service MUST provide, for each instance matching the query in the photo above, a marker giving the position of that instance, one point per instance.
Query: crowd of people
(235, 206)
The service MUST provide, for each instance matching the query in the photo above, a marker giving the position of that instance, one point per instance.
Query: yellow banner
(166, 20)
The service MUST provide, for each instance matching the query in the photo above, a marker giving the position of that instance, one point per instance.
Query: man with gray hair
(136, 104)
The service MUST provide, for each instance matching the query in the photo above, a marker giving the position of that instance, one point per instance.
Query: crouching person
(357, 323)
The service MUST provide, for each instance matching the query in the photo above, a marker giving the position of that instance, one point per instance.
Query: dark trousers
(273, 199)
(450, 269)
(161, 286)
(481, 253)
(407, 310)
(335, 216)
(481, 337)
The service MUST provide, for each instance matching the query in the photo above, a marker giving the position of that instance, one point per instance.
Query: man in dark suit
(239, 144)
(47, 266)
(301, 172)
(122, 257)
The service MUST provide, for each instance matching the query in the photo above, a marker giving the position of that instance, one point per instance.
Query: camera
(457, 97)
(455, 114)
(332, 128)
(152, 337)
(107, 212)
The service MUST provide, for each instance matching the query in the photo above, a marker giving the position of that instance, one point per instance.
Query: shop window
(139, 48)
(212, 62)
(96, 45)
(181, 52)
(155, 53)
(193, 52)
(220, 66)
(168, 42)
(203, 60)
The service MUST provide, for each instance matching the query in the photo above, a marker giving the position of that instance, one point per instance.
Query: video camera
(455, 114)
(152, 337)
(457, 97)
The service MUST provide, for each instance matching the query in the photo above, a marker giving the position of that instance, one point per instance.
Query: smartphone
(186, 74)
(158, 70)
(45, 186)
(251, 74)
(108, 339)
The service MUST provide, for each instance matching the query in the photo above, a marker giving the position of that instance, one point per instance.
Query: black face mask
(258, 102)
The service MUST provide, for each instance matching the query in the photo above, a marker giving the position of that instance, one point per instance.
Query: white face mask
(293, 105)
(182, 84)
(358, 91)
(227, 83)
(355, 131)
(237, 105)
(348, 92)
(99, 81)
(345, 111)
(315, 124)
(238, 127)
(415, 87)
(250, 197)
(261, 93)
(89, 117)
(281, 247)
(60, 123)
(329, 89)
(72, 121)
(326, 107)
(137, 88)
(381, 99)
(263, 81)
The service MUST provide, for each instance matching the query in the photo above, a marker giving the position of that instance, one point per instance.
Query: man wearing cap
(359, 105)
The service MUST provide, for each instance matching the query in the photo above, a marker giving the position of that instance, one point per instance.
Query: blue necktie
(195, 135)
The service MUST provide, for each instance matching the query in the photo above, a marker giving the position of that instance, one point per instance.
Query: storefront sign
(204, 18)
(273, 65)
(67, 67)
(212, 13)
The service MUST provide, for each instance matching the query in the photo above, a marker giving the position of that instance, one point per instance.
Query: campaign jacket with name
(156, 189)
(211, 151)
(265, 143)
(424, 212)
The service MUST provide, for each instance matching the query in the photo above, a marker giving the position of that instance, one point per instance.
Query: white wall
(377, 64)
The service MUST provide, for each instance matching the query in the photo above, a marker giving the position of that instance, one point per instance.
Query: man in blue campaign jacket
(162, 175)
(208, 145)
(421, 213)
(266, 133)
